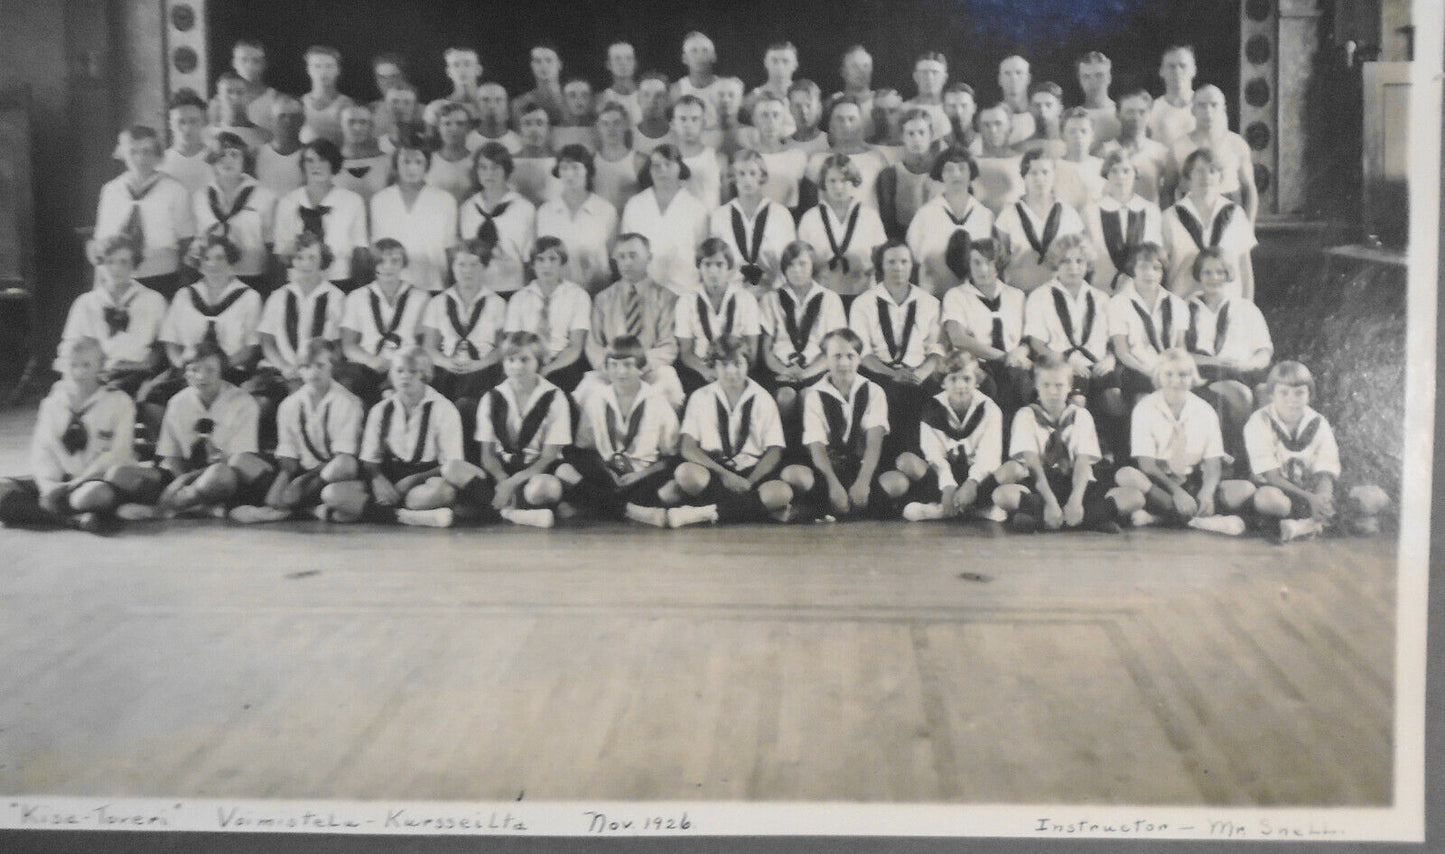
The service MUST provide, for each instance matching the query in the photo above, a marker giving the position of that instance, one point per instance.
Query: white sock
(679, 517)
(917, 511)
(540, 518)
(442, 517)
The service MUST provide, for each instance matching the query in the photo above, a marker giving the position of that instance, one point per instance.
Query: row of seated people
(900, 329)
(727, 460)
(844, 202)
(1151, 129)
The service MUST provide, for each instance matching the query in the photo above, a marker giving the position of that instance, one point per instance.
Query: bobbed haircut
(1066, 244)
(413, 356)
(715, 247)
(953, 154)
(516, 343)
(627, 347)
(1179, 358)
(1212, 253)
(1290, 373)
(725, 349)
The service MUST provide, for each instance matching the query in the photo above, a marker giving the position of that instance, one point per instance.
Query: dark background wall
(974, 34)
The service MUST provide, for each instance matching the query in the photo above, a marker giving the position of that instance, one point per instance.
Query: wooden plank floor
(857, 663)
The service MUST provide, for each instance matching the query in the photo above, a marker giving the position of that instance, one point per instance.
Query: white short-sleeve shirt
(1181, 442)
(233, 417)
(108, 418)
(515, 219)
(500, 417)
(754, 420)
(674, 234)
(815, 419)
(1226, 226)
(965, 305)
(1116, 230)
(1235, 332)
(314, 431)
(588, 235)
(849, 268)
(932, 228)
(1299, 454)
(138, 313)
(316, 312)
(738, 314)
(809, 317)
(344, 224)
(1148, 329)
(977, 433)
(235, 317)
(1031, 433)
(166, 219)
(555, 317)
(247, 222)
(404, 439)
(1026, 269)
(1077, 326)
(605, 428)
(880, 319)
(385, 325)
(427, 229)
(741, 233)
(478, 323)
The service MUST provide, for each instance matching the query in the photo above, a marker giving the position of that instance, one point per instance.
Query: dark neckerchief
(293, 318)
(733, 445)
(1040, 245)
(1191, 223)
(1167, 322)
(388, 330)
(704, 311)
(513, 447)
(387, 413)
(222, 225)
(839, 261)
(799, 331)
(464, 329)
(1061, 308)
(897, 349)
(750, 249)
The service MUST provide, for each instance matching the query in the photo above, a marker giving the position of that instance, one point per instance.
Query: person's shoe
(539, 518)
(442, 517)
(132, 512)
(1298, 529)
(252, 514)
(1143, 519)
(1231, 526)
(681, 517)
(1107, 526)
(215, 511)
(917, 511)
(1023, 523)
(993, 513)
(321, 512)
(654, 516)
(564, 510)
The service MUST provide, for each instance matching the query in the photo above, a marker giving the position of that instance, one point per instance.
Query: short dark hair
(953, 154)
(328, 151)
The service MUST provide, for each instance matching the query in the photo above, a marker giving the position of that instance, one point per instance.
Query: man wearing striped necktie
(635, 305)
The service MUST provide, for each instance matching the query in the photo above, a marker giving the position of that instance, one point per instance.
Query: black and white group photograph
(907, 418)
